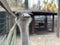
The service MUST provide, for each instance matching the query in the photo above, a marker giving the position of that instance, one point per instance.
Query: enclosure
(43, 29)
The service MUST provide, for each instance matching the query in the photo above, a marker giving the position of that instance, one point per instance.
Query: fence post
(58, 20)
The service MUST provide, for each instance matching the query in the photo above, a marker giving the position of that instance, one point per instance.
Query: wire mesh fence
(2, 23)
(6, 22)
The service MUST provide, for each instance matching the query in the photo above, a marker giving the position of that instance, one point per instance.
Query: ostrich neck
(24, 32)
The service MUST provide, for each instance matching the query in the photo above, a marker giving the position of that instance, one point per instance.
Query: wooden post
(23, 24)
(26, 4)
(33, 25)
(53, 24)
(58, 18)
(46, 23)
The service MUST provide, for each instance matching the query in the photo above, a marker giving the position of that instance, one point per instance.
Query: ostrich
(23, 23)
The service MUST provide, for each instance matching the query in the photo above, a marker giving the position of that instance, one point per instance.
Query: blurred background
(41, 5)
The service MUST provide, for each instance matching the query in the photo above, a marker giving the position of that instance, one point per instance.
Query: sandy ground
(41, 40)
(46, 38)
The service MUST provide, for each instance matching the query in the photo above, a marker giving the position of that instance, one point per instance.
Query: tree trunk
(26, 4)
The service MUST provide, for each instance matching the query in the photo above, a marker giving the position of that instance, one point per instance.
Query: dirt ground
(41, 40)
(45, 38)
(48, 38)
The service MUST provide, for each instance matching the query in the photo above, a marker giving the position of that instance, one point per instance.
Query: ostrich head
(23, 17)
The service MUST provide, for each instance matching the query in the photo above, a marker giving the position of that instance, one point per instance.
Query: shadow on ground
(42, 31)
(38, 32)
